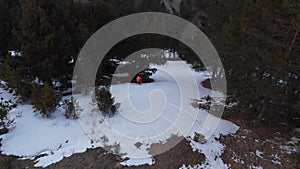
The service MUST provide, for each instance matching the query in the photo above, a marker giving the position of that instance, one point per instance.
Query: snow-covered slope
(59, 137)
(33, 135)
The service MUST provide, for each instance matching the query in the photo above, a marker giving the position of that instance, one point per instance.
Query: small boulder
(200, 138)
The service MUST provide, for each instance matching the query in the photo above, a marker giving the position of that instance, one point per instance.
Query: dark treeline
(49, 34)
(258, 42)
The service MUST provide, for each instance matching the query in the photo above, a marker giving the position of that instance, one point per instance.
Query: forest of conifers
(258, 42)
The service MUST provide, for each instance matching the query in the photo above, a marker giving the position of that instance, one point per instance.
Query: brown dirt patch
(206, 83)
(244, 148)
(98, 158)
(91, 159)
(174, 158)
(12, 162)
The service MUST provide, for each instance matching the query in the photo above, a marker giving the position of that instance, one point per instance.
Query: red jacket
(139, 79)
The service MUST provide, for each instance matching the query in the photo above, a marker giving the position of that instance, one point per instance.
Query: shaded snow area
(149, 114)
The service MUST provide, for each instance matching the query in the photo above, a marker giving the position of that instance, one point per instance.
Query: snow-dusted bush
(72, 108)
(105, 101)
(4, 108)
(44, 99)
(5, 122)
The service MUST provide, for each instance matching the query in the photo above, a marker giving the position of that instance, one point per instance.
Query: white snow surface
(14, 53)
(58, 137)
(34, 135)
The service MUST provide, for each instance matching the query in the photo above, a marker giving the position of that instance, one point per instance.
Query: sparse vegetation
(72, 108)
(4, 108)
(5, 122)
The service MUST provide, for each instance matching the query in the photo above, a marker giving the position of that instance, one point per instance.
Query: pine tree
(4, 27)
(17, 82)
(259, 51)
(36, 36)
(9, 18)
(45, 99)
(105, 101)
(46, 44)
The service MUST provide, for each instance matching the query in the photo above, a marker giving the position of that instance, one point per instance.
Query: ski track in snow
(58, 137)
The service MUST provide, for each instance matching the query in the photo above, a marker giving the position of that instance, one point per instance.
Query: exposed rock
(200, 138)
(206, 83)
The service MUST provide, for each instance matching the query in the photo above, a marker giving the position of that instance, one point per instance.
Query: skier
(138, 79)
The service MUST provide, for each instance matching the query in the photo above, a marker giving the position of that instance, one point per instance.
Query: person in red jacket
(138, 79)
